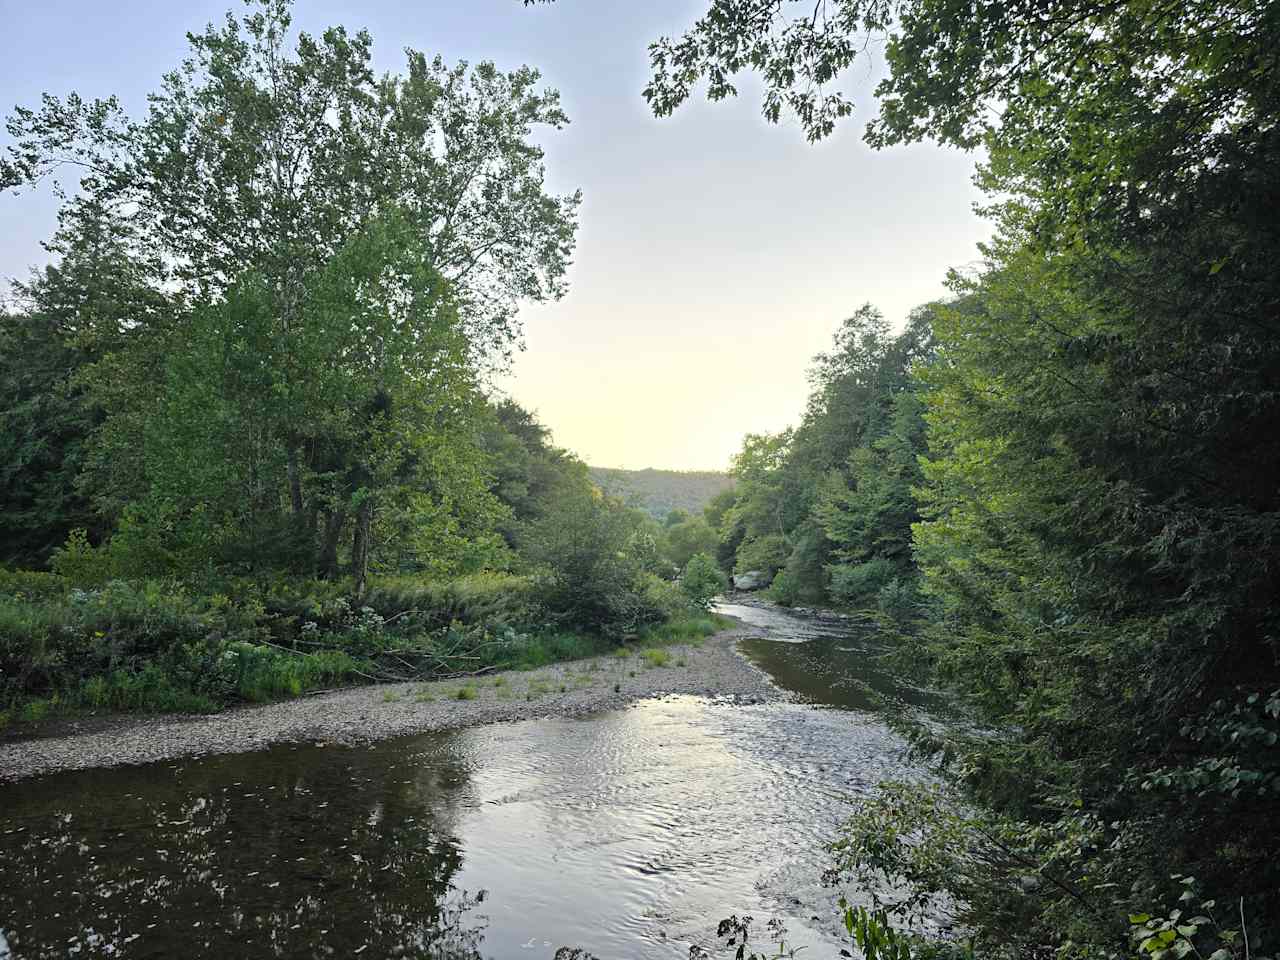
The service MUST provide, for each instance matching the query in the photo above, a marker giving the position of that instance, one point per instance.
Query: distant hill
(658, 492)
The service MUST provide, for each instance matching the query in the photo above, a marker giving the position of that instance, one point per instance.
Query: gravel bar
(712, 668)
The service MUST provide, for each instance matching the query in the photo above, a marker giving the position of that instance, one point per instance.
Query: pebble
(361, 715)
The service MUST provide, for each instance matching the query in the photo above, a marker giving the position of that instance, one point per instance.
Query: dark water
(629, 833)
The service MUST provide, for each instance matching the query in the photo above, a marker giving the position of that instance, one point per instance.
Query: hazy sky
(716, 253)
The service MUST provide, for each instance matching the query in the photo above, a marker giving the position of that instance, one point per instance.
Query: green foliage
(659, 492)
(590, 577)
(496, 600)
(855, 584)
(687, 537)
(835, 493)
(767, 553)
(683, 629)
(666, 596)
(702, 580)
(44, 423)
(285, 369)
(656, 657)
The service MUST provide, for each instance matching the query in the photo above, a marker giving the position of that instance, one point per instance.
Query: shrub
(591, 579)
(858, 583)
(33, 584)
(702, 580)
(494, 599)
(783, 590)
(665, 597)
(899, 600)
(656, 658)
(768, 554)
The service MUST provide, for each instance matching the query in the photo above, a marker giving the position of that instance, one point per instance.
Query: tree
(259, 171)
(69, 318)
(688, 537)
(702, 580)
(592, 577)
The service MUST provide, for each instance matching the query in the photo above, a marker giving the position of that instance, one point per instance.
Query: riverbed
(626, 832)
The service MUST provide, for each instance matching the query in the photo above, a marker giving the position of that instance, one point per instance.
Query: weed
(391, 696)
(656, 658)
(467, 692)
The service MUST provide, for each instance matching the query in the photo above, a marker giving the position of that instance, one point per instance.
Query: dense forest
(1060, 488)
(658, 492)
(248, 445)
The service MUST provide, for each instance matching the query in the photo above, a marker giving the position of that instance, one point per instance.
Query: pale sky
(716, 253)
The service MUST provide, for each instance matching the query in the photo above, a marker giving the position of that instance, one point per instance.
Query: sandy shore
(712, 668)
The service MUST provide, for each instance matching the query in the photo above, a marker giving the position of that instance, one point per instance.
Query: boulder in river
(751, 580)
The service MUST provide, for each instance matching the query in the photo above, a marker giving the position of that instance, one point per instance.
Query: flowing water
(629, 833)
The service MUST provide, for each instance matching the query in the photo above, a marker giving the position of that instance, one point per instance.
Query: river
(628, 833)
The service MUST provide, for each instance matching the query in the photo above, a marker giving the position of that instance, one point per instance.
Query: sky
(717, 253)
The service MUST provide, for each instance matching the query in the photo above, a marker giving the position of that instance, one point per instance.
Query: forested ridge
(658, 492)
(250, 446)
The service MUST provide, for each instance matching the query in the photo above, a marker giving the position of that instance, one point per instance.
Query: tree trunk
(360, 546)
(295, 483)
(334, 520)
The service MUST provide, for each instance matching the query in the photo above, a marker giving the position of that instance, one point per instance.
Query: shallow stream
(629, 833)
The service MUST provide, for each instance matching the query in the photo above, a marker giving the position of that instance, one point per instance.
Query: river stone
(751, 580)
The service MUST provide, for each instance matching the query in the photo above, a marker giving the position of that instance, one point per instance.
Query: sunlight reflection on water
(630, 833)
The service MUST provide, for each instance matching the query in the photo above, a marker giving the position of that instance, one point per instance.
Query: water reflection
(629, 834)
(829, 661)
(287, 853)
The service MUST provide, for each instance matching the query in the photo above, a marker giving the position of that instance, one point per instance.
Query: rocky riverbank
(712, 668)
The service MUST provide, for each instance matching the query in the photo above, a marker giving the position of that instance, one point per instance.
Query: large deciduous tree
(263, 186)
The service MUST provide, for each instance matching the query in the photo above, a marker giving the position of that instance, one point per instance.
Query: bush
(784, 590)
(494, 599)
(853, 584)
(768, 554)
(591, 579)
(666, 597)
(702, 580)
(32, 584)
(899, 600)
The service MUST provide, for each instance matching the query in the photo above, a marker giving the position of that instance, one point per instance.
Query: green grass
(691, 630)
(391, 697)
(165, 646)
(536, 689)
(424, 696)
(467, 692)
(535, 651)
(656, 658)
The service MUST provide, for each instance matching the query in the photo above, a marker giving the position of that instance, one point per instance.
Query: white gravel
(713, 668)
